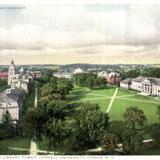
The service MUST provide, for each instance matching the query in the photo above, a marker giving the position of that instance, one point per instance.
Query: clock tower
(11, 72)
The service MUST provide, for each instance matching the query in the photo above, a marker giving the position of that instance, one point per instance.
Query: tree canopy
(89, 80)
(134, 117)
(92, 123)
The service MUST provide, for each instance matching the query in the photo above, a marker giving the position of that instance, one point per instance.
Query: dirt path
(112, 100)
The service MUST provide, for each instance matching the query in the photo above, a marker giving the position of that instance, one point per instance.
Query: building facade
(4, 75)
(11, 100)
(145, 85)
(11, 72)
(18, 80)
(114, 78)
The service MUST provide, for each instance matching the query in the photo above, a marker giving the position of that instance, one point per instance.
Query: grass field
(16, 142)
(122, 100)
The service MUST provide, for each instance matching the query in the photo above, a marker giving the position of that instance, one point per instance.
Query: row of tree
(89, 80)
(56, 89)
(147, 72)
(91, 128)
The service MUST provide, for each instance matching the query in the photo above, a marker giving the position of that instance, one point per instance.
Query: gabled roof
(127, 81)
(152, 80)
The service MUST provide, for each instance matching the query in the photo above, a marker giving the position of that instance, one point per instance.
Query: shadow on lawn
(76, 95)
(103, 88)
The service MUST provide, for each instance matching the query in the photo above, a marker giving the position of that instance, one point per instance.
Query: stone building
(11, 100)
(18, 79)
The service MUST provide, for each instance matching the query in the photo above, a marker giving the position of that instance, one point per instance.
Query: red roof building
(3, 75)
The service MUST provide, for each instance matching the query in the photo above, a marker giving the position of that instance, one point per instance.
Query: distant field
(123, 100)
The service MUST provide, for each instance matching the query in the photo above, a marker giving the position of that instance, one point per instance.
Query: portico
(146, 87)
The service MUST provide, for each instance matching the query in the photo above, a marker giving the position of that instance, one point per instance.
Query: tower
(11, 72)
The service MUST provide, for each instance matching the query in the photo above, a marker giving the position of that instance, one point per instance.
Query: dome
(78, 70)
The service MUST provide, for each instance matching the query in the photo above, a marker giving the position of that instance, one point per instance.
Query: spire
(12, 66)
(12, 62)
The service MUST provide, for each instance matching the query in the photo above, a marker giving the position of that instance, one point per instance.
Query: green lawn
(99, 96)
(123, 100)
(119, 107)
(149, 151)
(16, 142)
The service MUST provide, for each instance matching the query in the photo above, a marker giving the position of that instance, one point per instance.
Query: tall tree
(34, 121)
(92, 123)
(117, 128)
(154, 130)
(134, 117)
(49, 92)
(55, 131)
(132, 141)
(110, 142)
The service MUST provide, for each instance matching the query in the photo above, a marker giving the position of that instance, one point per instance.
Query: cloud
(112, 30)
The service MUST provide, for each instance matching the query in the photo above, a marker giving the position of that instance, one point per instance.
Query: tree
(55, 131)
(47, 123)
(56, 109)
(49, 92)
(117, 128)
(132, 141)
(64, 86)
(7, 119)
(92, 123)
(109, 142)
(154, 130)
(34, 121)
(158, 112)
(53, 80)
(131, 73)
(134, 117)
(88, 80)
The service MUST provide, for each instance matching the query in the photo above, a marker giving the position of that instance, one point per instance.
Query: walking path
(112, 100)
(119, 146)
(138, 100)
(33, 148)
(37, 151)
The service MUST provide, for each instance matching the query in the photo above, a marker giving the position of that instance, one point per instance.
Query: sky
(93, 33)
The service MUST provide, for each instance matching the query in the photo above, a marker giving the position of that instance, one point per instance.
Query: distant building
(4, 75)
(145, 85)
(102, 74)
(18, 80)
(62, 75)
(35, 74)
(78, 70)
(114, 78)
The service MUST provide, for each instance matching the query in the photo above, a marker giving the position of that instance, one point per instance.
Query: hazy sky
(60, 34)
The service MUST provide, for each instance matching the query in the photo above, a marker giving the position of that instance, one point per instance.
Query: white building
(78, 70)
(136, 83)
(145, 85)
(125, 83)
(62, 75)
